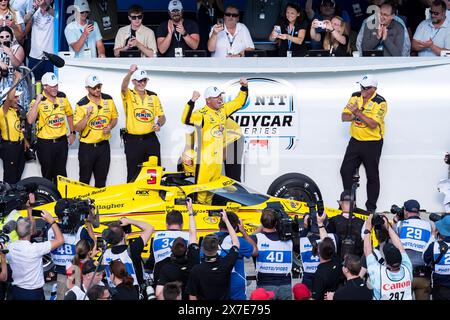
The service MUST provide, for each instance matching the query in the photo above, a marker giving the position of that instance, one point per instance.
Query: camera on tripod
(74, 213)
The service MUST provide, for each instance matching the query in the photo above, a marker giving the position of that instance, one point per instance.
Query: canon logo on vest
(398, 285)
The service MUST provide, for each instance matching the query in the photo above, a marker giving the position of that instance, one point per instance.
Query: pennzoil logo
(217, 131)
(211, 220)
(143, 115)
(99, 123)
(18, 126)
(55, 121)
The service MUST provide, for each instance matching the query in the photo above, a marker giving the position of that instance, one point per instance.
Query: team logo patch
(217, 131)
(143, 115)
(18, 126)
(55, 120)
(99, 122)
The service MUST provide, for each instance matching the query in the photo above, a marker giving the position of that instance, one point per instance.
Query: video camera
(74, 213)
(287, 228)
(14, 197)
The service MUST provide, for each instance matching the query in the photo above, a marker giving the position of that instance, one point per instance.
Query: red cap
(301, 292)
(262, 294)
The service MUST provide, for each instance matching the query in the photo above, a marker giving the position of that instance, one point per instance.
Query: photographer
(314, 232)
(25, 259)
(210, 280)
(392, 281)
(437, 255)
(73, 230)
(183, 258)
(274, 260)
(130, 254)
(339, 225)
(416, 235)
(92, 275)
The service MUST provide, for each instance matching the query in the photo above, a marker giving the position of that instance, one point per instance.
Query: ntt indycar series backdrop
(292, 119)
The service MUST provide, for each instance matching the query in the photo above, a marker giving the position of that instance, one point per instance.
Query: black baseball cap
(392, 255)
(91, 265)
(346, 195)
(412, 206)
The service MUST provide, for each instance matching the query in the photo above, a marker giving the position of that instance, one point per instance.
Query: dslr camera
(399, 212)
(436, 216)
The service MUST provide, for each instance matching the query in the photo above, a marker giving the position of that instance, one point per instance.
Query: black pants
(52, 155)
(368, 153)
(12, 154)
(440, 293)
(18, 293)
(137, 151)
(233, 159)
(94, 158)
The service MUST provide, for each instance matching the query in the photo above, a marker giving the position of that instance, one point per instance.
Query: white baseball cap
(212, 92)
(49, 79)
(139, 75)
(368, 80)
(4, 91)
(82, 5)
(175, 5)
(92, 80)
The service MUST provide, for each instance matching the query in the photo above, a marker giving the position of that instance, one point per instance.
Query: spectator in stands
(301, 292)
(210, 280)
(247, 249)
(22, 6)
(387, 36)
(269, 246)
(373, 21)
(177, 35)
(83, 34)
(123, 282)
(183, 258)
(260, 17)
(392, 281)
(104, 12)
(11, 53)
(356, 10)
(262, 294)
(355, 288)
(329, 273)
(172, 291)
(92, 274)
(98, 292)
(12, 19)
(436, 255)
(230, 39)
(414, 12)
(135, 36)
(208, 13)
(339, 225)
(42, 28)
(416, 235)
(433, 35)
(290, 38)
(335, 40)
(327, 10)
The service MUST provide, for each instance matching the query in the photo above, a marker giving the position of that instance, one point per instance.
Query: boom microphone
(55, 60)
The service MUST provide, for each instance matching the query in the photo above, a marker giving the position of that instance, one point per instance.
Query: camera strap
(443, 248)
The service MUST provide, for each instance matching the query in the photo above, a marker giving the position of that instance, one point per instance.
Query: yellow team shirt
(100, 117)
(376, 109)
(212, 124)
(51, 121)
(141, 113)
(10, 125)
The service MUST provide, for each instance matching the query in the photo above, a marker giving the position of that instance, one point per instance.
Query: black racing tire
(46, 191)
(295, 186)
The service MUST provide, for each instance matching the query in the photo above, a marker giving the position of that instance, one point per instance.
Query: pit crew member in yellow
(210, 122)
(144, 116)
(50, 109)
(95, 117)
(366, 111)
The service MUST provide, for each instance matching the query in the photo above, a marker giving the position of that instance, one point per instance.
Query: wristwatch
(366, 231)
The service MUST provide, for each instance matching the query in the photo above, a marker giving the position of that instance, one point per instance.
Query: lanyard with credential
(231, 41)
(292, 34)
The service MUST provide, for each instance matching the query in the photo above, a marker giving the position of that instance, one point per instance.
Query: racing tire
(46, 191)
(295, 186)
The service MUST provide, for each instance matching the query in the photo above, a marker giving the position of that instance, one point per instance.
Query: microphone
(55, 60)
(9, 227)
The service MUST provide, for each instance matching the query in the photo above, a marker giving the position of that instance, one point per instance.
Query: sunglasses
(97, 87)
(365, 88)
(142, 80)
(139, 17)
(234, 15)
(435, 13)
(5, 37)
(82, 12)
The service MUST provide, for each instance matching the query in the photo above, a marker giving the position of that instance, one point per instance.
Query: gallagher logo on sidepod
(270, 111)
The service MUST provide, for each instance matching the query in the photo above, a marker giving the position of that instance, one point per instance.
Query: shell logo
(99, 122)
(55, 121)
(143, 115)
